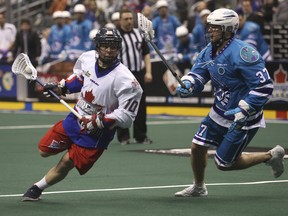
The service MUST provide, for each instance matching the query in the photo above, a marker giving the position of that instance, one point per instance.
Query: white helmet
(57, 14)
(79, 8)
(115, 16)
(181, 31)
(225, 18)
(66, 14)
(161, 3)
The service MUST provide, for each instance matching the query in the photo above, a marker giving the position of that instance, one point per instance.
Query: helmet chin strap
(217, 44)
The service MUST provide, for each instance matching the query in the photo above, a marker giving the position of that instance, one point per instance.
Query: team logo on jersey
(135, 83)
(87, 73)
(221, 70)
(58, 145)
(88, 96)
(249, 54)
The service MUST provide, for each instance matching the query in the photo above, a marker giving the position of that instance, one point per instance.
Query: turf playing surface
(127, 181)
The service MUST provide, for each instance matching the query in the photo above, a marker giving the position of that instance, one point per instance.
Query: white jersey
(114, 91)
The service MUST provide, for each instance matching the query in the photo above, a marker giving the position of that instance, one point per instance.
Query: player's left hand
(241, 114)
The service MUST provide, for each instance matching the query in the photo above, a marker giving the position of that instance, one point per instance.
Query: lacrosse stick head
(145, 26)
(22, 65)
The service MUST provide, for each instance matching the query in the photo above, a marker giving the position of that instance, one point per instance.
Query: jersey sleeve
(200, 72)
(256, 76)
(74, 82)
(129, 93)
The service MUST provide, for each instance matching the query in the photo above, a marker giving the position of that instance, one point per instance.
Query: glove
(58, 88)
(92, 123)
(189, 82)
(241, 114)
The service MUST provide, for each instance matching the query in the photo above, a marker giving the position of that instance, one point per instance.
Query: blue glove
(241, 114)
(188, 81)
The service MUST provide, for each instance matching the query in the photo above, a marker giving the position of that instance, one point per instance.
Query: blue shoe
(32, 194)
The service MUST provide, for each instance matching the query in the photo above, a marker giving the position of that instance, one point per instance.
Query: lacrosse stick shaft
(62, 101)
(166, 63)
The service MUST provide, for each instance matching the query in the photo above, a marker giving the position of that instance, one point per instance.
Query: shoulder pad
(249, 54)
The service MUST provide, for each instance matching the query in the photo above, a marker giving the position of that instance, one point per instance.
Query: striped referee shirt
(134, 48)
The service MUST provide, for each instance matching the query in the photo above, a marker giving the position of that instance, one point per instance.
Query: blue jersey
(165, 30)
(188, 50)
(58, 40)
(80, 40)
(237, 73)
(251, 33)
(201, 37)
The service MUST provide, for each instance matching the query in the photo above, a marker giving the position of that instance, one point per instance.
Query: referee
(135, 55)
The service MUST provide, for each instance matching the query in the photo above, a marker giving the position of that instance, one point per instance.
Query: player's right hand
(186, 91)
(51, 87)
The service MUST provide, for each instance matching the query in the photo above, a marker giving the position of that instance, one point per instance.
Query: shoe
(125, 142)
(32, 194)
(193, 191)
(277, 160)
(145, 141)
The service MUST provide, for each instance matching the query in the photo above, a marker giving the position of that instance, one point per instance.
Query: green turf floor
(127, 181)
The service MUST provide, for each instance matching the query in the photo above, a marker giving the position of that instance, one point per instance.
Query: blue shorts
(229, 145)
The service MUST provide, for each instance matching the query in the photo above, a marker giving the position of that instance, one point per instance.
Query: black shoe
(145, 141)
(32, 194)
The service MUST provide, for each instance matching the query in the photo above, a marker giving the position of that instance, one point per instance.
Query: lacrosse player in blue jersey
(241, 86)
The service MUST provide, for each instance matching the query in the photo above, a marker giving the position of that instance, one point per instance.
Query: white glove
(241, 114)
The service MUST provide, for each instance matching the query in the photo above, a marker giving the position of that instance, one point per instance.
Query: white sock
(42, 184)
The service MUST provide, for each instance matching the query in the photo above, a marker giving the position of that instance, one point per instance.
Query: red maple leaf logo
(280, 76)
(89, 97)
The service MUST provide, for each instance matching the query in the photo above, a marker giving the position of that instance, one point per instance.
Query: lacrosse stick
(22, 65)
(146, 29)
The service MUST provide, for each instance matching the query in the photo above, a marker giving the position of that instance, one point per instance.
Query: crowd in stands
(74, 24)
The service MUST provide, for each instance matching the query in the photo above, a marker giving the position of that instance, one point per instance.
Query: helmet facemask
(224, 21)
(108, 45)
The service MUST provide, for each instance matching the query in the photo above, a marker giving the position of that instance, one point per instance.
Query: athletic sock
(42, 184)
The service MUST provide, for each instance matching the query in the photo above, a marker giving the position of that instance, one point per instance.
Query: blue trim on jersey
(107, 71)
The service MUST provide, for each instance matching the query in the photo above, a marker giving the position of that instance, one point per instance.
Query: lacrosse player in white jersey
(109, 98)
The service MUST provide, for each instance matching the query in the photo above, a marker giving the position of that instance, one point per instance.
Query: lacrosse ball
(28, 70)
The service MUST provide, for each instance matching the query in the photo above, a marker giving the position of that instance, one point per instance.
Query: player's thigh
(209, 133)
(233, 145)
(55, 140)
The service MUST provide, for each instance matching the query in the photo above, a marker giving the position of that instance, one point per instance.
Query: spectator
(187, 51)
(250, 32)
(134, 51)
(200, 35)
(45, 48)
(28, 42)
(59, 37)
(269, 9)
(250, 15)
(7, 34)
(57, 5)
(95, 14)
(147, 12)
(80, 28)
(115, 19)
(66, 15)
(165, 26)
(281, 14)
